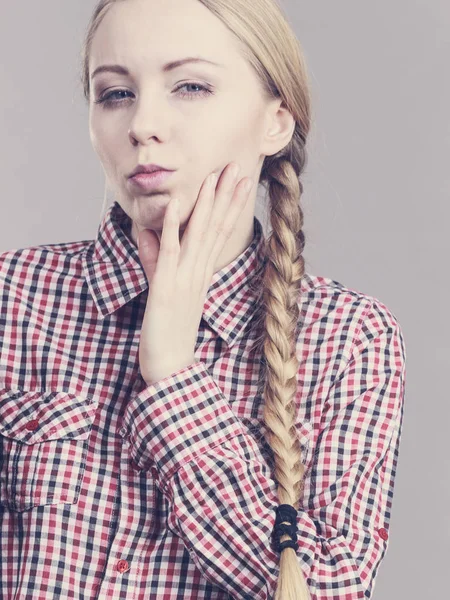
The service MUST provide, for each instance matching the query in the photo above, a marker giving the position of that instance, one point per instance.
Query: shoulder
(32, 255)
(24, 267)
(344, 316)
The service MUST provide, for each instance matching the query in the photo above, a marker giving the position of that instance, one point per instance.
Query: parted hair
(271, 47)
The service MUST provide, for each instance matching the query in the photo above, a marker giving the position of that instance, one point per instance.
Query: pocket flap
(36, 416)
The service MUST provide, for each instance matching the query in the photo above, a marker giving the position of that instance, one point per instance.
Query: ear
(280, 127)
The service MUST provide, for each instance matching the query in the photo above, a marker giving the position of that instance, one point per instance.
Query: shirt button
(383, 533)
(122, 566)
(32, 425)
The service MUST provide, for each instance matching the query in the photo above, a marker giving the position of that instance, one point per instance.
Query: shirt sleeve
(220, 486)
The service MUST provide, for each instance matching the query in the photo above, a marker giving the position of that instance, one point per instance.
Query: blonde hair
(272, 49)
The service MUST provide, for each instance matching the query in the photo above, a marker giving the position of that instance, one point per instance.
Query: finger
(169, 250)
(193, 235)
(223, 196)
(223, 223)
(202, 235)
(226, 188)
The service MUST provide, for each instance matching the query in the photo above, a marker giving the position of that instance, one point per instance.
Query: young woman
(185, 412)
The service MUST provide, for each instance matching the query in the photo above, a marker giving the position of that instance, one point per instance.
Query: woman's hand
(179, 274)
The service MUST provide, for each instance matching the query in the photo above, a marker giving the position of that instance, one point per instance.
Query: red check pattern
(110, 488)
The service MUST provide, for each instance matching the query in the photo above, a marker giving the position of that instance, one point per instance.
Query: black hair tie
(285, 512)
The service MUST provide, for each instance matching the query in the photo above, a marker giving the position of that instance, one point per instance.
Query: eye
(205, 90)
(108, 99)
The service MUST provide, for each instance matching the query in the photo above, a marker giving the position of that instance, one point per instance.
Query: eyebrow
(168, 67)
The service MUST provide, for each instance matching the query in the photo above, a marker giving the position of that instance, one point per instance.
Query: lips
(147, 169)
(149, 182)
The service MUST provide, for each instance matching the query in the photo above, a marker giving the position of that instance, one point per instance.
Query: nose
(146, 123)
(140, 136)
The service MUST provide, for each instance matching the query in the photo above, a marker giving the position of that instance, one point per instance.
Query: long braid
(278, 324)
(281, 282)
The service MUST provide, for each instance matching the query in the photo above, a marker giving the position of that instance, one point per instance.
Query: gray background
(376, 202)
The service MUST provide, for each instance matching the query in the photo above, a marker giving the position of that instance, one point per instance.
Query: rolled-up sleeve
(221, 490)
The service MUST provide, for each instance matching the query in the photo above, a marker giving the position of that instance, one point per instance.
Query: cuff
(175, 419)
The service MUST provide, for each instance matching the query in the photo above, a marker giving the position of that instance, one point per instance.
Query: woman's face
(164, 117)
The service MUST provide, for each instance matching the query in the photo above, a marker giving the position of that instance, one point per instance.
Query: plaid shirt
(110, 488)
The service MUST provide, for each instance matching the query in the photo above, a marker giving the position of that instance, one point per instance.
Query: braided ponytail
(277, 323)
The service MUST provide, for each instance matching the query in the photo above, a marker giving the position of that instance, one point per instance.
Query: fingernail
(235, 170)
(212, 180)
(248, 185)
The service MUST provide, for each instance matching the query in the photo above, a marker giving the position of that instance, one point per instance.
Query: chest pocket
(43, 445)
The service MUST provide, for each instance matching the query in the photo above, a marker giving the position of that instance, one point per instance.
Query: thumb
(148, 248)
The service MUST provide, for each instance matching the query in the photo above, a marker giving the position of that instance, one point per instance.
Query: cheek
(239, 133)
(241, 145)
(103, 142)
(248, 130)
(95, 135)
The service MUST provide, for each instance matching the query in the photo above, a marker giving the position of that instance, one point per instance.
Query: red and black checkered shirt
(110, 488)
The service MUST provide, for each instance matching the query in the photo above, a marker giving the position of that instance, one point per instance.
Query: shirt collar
(115, 276)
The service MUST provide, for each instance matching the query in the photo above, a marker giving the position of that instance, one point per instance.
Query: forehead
(157, 32)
